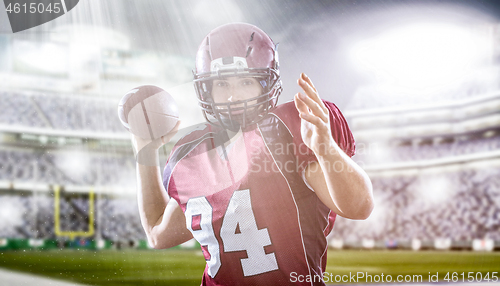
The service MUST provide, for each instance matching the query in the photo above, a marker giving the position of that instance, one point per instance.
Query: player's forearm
(171, 231)
(162, 218)
(151, 195)
(348, 185)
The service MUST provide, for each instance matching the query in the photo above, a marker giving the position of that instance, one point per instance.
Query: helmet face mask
(241, 113)
(239, 51)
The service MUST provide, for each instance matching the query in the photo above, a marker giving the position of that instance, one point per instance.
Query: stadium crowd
(60, 112)
(18, 165)
(32, 216)
(460, 205)
(479, 83)
(369, 154)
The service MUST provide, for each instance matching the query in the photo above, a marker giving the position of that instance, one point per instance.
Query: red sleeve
(340, 130)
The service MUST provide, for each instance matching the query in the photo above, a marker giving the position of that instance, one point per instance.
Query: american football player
(260, 184)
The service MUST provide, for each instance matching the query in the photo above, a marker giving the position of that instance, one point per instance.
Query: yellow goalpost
(57, 224)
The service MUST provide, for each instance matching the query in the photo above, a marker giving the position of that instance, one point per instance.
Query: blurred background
(418, 82)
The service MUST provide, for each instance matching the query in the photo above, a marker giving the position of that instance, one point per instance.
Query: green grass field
(184, 267)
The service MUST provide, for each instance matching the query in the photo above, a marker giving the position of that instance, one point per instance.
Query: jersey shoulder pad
(194, 133)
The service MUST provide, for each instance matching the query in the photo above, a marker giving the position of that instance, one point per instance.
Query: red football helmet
(237, 50)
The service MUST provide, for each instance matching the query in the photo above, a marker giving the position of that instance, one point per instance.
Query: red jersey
(246, 202)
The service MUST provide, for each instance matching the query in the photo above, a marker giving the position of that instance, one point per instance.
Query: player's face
(233, 89)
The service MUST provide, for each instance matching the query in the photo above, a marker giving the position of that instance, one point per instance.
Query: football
(148, 112)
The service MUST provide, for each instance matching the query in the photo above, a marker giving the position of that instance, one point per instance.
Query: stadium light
(422, 56)
(436, 189)
(73, 162)
(11, 214)
(380, 152)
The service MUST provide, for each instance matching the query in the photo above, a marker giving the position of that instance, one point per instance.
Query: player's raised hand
(152, 116)
(315, 119)
(153, 145)
(146, 150)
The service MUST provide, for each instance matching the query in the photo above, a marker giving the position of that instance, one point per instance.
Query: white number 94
(251, 239)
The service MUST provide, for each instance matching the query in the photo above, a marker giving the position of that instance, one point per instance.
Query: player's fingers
(308, 80)
(138, 142)
(312, 94)
(166, 138)
(306, 87)
(314, 107)
(306, 84)
(311, 118)
(300, 105)
(176, 127)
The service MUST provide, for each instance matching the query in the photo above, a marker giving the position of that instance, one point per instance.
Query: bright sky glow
(90, 35)
(48, 57)
(215, 13)
(422, 56)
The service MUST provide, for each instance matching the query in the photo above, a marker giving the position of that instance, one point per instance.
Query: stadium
(427, 134)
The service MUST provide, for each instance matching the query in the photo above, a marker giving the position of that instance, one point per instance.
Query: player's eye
(247, 82)
(221, 83)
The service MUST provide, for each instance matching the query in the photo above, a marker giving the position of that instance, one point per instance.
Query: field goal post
(57, 222)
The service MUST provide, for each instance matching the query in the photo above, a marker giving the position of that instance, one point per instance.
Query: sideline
(9, 277)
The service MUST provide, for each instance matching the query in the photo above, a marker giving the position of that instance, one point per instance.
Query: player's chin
(242, 117)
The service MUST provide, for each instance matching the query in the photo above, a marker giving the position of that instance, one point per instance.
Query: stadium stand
(59, 111)
(407, 151)
(407, 206)
(469, 210)
(103, 169)
(432, 157)
(32, 216)
(480, 82)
